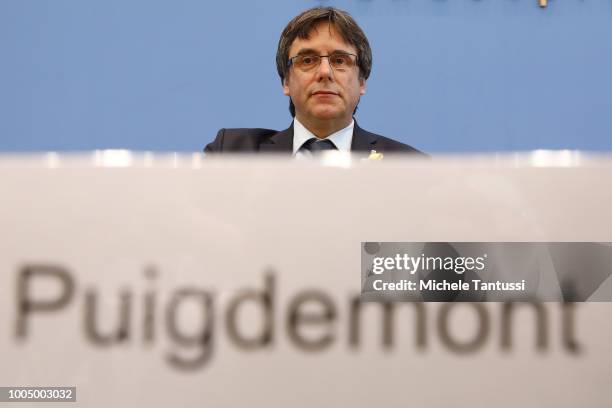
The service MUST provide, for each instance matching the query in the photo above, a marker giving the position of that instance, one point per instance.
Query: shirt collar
(341, 139)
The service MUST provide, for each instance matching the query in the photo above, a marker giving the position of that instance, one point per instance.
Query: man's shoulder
(239, 139)
(384, 144)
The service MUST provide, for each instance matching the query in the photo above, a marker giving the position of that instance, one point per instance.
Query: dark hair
(303, 24)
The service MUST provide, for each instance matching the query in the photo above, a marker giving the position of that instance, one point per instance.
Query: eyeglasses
(339, 61)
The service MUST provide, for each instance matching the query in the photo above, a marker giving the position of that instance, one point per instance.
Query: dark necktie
(315, 145)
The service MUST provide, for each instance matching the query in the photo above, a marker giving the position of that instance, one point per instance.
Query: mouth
(325, 93)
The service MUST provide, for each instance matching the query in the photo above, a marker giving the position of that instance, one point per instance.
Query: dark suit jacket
(272, 141)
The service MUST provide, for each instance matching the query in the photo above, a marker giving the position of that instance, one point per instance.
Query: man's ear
(286, 85)
(362, 86)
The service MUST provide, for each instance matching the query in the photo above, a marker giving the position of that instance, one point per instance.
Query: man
(323, 60)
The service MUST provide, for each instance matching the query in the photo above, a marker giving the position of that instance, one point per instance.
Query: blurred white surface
(221, 225)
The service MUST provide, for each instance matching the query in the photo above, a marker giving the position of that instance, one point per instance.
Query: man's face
(323, 94)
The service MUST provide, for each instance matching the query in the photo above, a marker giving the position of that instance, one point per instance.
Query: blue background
(448, 75)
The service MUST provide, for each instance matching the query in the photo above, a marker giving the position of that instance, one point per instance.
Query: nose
(325, 71)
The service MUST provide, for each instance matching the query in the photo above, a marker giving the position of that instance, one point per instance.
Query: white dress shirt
(342, 139)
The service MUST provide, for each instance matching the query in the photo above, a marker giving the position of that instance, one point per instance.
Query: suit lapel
(280, 142)
(363, 141)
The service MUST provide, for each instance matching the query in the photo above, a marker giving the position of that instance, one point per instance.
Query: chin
(327, 114)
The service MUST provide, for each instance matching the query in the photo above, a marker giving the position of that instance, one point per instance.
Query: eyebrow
(305, 51)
